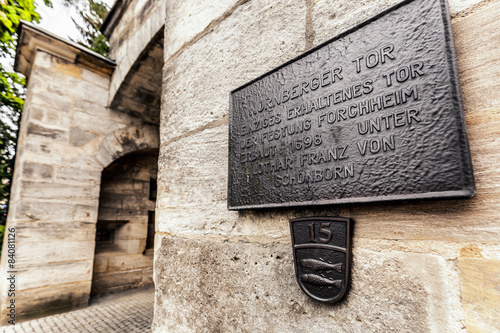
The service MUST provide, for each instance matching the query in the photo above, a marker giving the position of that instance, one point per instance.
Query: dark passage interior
(125, 227)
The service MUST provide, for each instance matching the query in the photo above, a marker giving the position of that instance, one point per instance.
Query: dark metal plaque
(374, 114)
(322, 256)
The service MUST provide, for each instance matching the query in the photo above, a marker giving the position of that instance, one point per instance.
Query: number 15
(322, 231)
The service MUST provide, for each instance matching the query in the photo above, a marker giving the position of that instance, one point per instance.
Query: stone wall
(130, 27)
(125, 208)
(417, 266)
(67, 136)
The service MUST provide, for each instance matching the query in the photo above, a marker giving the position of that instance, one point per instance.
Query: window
(152, 189)
(105, 236)
(150, 241)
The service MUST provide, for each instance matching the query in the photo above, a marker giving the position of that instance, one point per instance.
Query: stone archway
(82, 113)
(125, 223)
(125, 141)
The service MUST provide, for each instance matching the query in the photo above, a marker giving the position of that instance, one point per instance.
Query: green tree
(12, 86)
(93, 13)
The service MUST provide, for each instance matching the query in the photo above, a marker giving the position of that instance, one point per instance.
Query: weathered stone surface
(136, 28)
(56, 190)
(476, 43)
(42, 211)
(195, 95)
(37, 171)
(480, 293)
(216, 265)
(131, 246)
(458, 7)
(332, 17)
(197, 190)
(195, 204)
(138, 94)
(49, 115)
(132, 230)
(91, 108)
(55, 134)
(61, 192)
(79, 137)
(51, 100)
(90, 123)
(186, 19)
(63, 231)
(44, 251)
(96, 78)
(88, 91)
(132, 262)
(54, 273)
(102, 282)
(252, 288)
(85, 213)
(77, 176)
(53, 299)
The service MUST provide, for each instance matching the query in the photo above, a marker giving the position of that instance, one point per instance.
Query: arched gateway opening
(88, 121)
(125, 224)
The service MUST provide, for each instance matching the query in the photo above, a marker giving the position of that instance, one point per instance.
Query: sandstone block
(85, 213)
(55, 134)
(480, 293)
(95, 78)
(246, 287)
(52, 299)
(195, 200)
(63, 231)
(52, 100)
(54, 274)
(91, 123)
(121, 262)
(131, 230)
(42, 211)
(79, 137)
(91, 108)
(87, 91)
(43, 252)
(77, 176)
(186, 19)
(131, 246)
(330, 18)
(37, 171)
(108, 280)
(124, 186)
(235, 52)
(101, 263)
(51, 191)
(476, 40)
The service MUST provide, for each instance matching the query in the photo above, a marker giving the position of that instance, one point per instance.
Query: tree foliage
(12, 86)
(93, 13)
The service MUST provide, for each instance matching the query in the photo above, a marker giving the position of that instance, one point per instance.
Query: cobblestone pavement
(127, 312)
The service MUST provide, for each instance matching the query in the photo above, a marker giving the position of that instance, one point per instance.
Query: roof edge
(33, 38)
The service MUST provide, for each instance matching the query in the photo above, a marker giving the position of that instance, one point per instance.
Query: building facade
(109, 149)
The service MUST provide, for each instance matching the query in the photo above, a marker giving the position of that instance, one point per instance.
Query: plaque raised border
(374, 114)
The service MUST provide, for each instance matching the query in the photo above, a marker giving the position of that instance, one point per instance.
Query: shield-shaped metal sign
(322, 256)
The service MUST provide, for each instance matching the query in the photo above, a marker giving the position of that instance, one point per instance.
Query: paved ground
(127, 312)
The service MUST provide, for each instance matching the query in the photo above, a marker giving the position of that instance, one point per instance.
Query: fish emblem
(318, 265)
(322, 256)
(320, 281)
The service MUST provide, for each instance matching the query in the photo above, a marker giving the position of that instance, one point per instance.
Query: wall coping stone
(114, 16)
(33, 38)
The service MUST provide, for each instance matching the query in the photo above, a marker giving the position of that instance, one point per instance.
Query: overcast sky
(58, 19)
